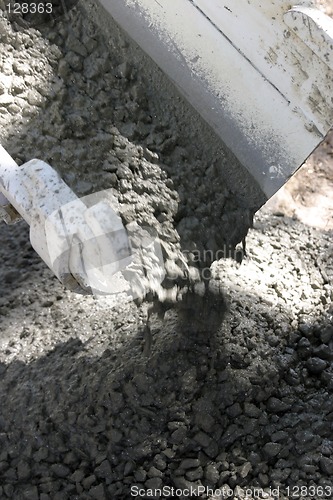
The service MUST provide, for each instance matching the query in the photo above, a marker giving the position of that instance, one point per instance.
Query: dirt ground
(309, 194)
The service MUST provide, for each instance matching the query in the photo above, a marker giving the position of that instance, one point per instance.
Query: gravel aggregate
(237, 392)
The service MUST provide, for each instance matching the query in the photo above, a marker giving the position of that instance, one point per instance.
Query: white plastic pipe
(7, 167)
(34, 189)
(77, 242)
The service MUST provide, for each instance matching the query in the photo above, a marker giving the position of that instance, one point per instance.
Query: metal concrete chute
(259, 72)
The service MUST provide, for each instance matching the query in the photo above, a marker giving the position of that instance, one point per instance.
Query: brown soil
(308, 195)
